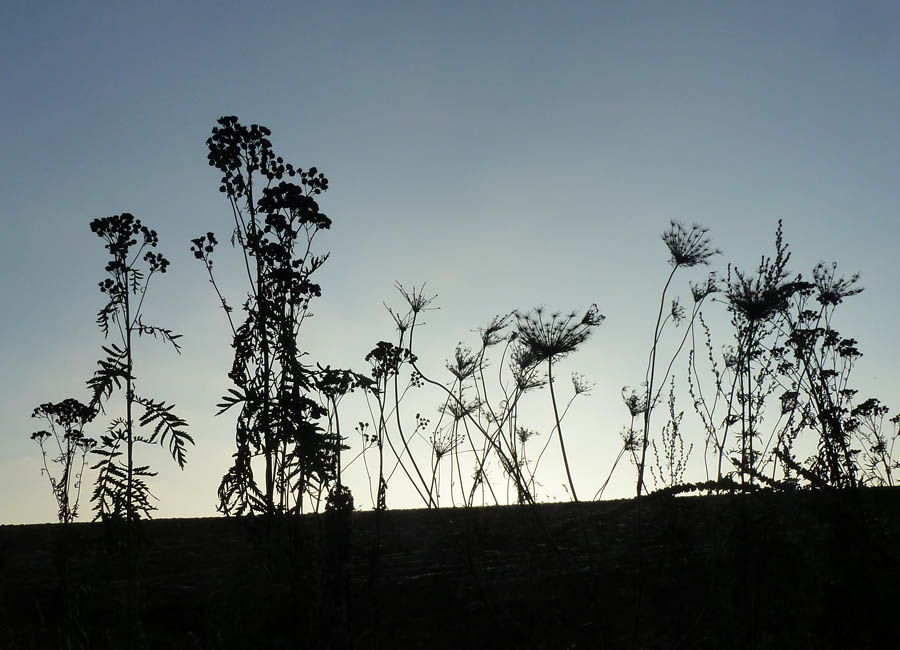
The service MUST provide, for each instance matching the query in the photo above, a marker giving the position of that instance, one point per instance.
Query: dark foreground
(802, 570)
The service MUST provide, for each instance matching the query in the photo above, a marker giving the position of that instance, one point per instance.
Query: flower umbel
(557, 336)
(701, 290)
(464, 363)
(832, 290)
(688, 247)
(636, 403)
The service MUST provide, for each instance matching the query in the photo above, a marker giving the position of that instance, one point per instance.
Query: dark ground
(799, 570)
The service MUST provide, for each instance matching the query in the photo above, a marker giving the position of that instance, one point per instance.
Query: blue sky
(508, 154)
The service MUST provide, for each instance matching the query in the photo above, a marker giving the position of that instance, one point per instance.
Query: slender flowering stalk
(66, 421)
(121, 491)
(687, 248)
(548, 339)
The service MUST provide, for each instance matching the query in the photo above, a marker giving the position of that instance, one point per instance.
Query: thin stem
(651, 369)
(562, 444)
(129, 399)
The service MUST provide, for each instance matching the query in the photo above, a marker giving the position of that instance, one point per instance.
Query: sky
(508, 154)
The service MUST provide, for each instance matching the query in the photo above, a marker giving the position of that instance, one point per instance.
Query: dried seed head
(688, 247)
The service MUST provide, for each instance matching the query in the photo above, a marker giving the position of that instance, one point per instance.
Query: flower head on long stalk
(492, 334)
(523, 365)
(464, 363)
(557, 336)
(688, 247)
(832, 290)
(701, 290)
(636, 403)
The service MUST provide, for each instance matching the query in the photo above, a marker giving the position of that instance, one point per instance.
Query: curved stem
(651, 369)
(494, 443)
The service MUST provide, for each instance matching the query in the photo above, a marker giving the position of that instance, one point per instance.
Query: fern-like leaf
(166, 425)
(235, 397)
(112, 373)
(157, 332)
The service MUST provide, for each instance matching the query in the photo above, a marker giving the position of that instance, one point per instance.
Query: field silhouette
(797, 569)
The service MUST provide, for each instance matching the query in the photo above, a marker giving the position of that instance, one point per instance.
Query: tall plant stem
(455, 452)
(650, 376)
(269, 446)
(132, 604)
(494, 444)
(431, 501)
(748, 435)
(562, 444)
(129, 399)
(337, 441)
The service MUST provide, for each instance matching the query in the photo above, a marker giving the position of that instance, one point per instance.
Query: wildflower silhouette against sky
(688, 247)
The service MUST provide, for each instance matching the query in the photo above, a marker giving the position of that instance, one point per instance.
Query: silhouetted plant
(66, 421)
(749, 372)
(523, 435)
(785, 344)
(121, 494)
(455, 433)
(671, 465)
(636, 403)
(705, 408)
(878, 446)
(492, 417)
(579, 387)
(549, 340)
(460, 415)
(120, 491)
(757, 304)
(817, 378)
(687, 248)
(387, 359)
(275, 224)
(478, 419)
(333, 385)
(443, 443)
(457, 413)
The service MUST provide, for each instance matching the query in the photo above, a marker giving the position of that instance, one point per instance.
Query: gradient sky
(508, 154)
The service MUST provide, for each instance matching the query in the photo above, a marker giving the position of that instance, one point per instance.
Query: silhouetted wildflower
(464, 363)
(458, 409)
(67, 420)
(630, 440)
(386, 359)
(701, 290)
(636, 403)
(416, 298)
(831, 290)
(688, 247)
(523, 365)
(555, 337)
(677, 311)
(491, 334)
(442, 445)
(580, 385)
(524, 435)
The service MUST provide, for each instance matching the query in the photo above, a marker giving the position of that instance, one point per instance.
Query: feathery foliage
(121, 491)
(279, 421)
